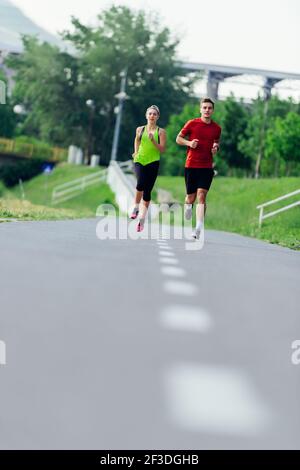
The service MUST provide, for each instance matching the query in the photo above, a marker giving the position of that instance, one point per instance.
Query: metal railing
(261, 207)
(24, 149)
(126, 166)
(71, 189)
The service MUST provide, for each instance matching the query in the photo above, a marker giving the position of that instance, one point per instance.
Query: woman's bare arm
(137, 141)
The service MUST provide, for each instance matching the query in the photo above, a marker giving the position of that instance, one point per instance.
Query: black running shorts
(146, 176)
(198, 178)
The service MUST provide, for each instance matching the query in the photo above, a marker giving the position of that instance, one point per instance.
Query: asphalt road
(142, 344)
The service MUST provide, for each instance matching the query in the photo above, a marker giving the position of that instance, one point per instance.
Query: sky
(250, 33)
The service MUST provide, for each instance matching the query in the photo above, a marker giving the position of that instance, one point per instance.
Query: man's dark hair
(207, 100)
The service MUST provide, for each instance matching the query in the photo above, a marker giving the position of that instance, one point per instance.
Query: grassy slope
(16, 209)
(231, 202)
(232, 206)
(39, 190)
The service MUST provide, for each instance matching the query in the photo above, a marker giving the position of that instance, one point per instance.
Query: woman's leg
(138, 198)
(151, 172)
(139, 189)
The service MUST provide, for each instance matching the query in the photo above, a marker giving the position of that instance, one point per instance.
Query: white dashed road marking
(168, 260)
(186, 318)
(166, 253)
(180, 288)
(173, 271)
(215, 400)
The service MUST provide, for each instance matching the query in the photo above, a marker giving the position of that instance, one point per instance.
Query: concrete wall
(122, 186)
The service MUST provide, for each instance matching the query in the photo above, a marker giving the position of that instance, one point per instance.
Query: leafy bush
(2, 188)
(25, 170)
(36, 148)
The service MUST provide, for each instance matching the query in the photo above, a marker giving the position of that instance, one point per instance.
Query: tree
(127, 40)
(173, 160)
(261, 118)
(123, 39)
(48, 91)
(232, 115)
(283, 143)
(7, 116)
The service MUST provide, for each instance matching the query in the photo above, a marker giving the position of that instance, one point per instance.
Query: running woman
(202, 143)
(150, 142)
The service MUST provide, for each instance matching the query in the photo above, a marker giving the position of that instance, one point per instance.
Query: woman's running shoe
(140, 226)
(135, 213)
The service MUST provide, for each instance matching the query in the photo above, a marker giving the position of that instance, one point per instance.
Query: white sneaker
(188, 211)
(196, 234)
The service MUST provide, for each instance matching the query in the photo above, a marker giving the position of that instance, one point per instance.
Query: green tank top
(147, 152)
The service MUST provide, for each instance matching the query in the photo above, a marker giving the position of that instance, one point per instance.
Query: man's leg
(190, 198)
(200, 211)
(191, 191)
(188, 206)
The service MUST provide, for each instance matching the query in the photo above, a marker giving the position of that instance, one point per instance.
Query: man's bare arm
(180, 140)
(215, 147)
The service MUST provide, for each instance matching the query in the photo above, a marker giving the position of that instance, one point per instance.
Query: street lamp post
(20, 110)
(121, 96)
(90, 104)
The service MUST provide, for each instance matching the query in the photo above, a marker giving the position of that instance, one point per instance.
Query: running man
(203, 143)
(150, 142)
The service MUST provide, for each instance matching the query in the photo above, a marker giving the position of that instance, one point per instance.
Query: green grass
(15, 209)
(231, 206)
(231, 202)
(39, 191)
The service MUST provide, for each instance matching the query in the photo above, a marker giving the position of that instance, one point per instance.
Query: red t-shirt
(207, 134)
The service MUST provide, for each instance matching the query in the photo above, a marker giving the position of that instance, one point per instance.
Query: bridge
(218, 73)
(215, 74)
(15, 22)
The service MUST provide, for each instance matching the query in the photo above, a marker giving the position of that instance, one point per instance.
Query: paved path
(123, 344)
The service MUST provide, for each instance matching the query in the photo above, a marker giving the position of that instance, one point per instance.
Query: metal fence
(261, 207)
(73, 188)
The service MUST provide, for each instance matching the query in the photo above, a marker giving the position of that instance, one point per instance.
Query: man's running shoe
(135, 213)
(188, 211)
(196, 234)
